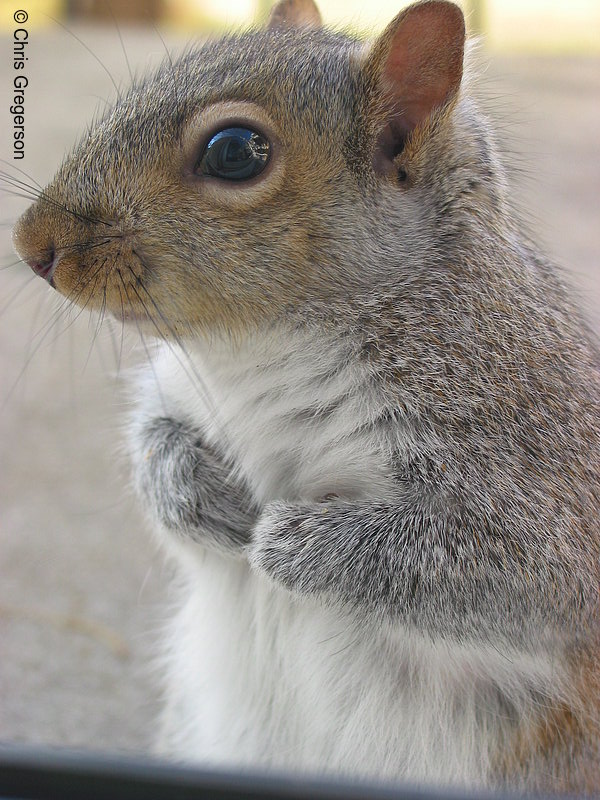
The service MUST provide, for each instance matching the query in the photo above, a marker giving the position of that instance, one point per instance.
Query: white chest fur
(258, 678)
(291, 416)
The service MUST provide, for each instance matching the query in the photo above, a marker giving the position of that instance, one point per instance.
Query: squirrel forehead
(283, 70)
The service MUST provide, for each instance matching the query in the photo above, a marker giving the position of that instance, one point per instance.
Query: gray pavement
(82, 589)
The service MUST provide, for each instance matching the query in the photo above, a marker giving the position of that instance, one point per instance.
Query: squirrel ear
(415, 67)
(294, 14)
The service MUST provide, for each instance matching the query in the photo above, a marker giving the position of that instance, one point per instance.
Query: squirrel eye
(235, 154)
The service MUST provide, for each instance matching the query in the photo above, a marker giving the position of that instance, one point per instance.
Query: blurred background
(83, 592)
(540, 25)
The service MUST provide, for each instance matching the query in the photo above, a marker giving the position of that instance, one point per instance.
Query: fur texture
(371, 438)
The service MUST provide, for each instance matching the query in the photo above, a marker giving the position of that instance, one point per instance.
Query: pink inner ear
(423, 68)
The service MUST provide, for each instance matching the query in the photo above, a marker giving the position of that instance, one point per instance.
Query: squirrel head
(254, 176)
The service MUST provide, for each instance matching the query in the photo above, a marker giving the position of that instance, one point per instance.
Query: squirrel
(369, 432)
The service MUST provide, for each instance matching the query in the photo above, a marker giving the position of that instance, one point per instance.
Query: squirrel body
(244, 655)
(370, 438)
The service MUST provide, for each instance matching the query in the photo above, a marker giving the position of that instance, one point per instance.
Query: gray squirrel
(369, 434)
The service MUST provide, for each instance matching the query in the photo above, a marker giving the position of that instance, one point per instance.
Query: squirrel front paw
(189, 488)
(285, 549)
(168, 472)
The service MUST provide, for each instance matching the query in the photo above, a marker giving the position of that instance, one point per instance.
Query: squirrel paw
(282, 547)
(189, 488)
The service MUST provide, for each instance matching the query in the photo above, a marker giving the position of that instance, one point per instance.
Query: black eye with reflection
(235, 154)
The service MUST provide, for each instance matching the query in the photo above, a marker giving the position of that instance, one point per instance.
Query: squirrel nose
(35, 244)
(44, 267)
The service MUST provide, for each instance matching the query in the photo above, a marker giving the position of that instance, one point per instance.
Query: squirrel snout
(90, 261)
(35, 247)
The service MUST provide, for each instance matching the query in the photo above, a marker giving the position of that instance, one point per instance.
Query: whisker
(68, 307)
(143, 341)
(89, 244)
(22, 196)
(18, 191)
(31, 337)
(22, 171)
(73, 296)
(20, 262)
(118, 29)
(61, 309)
(13, 298)
(100, 314)
(173, 72)
(25, 366)
(117, 351)
(188, 367)
(32, 193)
(84, 283)
(122, 328)
(67, 304)
(13, 180)
(91, 52)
